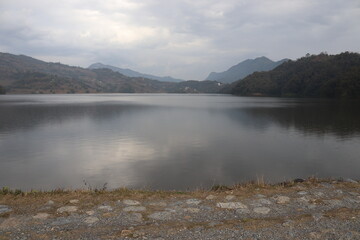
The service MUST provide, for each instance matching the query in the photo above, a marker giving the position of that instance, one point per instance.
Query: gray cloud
(185, 39)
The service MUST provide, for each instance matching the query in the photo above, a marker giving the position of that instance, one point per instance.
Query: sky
(185, 39)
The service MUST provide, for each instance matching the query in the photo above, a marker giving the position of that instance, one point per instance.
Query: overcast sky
(185, 39)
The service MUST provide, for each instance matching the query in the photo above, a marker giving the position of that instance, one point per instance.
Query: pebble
(262, 210)
(105, 208)
(5, 209)
(160, 216)
(302, 193)
(41, 216)
(68, 209)
(282, 199)
(91, 220)
(50, 202)
(74, 201)
(210, 197)
(90, 213)
(349, 180)
(193, 201)
(192, 210)
(158, 204)
(131, 202)
(230, 197)
(231, 205)
(136, 217)
(134, 209)
(264, 201)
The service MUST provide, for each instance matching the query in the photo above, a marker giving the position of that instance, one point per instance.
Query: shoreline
(255, 210)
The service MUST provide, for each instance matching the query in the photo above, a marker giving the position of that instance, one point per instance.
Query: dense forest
(323, 75)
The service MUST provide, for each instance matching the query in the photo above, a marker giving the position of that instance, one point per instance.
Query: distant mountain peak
(243, 69)
(131, 73)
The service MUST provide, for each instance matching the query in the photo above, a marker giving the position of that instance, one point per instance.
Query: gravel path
(303, 211)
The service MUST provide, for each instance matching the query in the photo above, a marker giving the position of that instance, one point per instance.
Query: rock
(264, 201)
(282, 199)
(158, 204)
(105, 208)
(131, 202)
(134, 209)
(230, 197)
(315, 235)
(41, 216)
(90, 213)
(50, 202)
(4, 209)
(74, 201)
(136, 217)
(161, 216)
(210, 197)
(192, 210)
(91, 220)
(349, 180)
(262, 210)
(193, 201)
(260, 196)
(242, 211)
(126, 233)
(68, 209)
(333, 202)
(302, 193)
(231, 205)
(298, 180)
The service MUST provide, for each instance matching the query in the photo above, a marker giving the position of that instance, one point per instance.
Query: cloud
(186, 39)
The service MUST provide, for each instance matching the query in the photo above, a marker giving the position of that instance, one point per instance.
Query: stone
(161, 216)
(91, 220)
(74, 201)
(68, 209)
(90, 212)
(262, 210)
(4, 209)
(193, 201)
(192, 210)
(105, 208)
(231, 205)
(260, 196)
(302, 193)
(131, 202)
(137, 217)
(264, 201)
(126, 232)
(158, 204)
(282, 199)
(242, 211)
(50, 202)
(349, 180)
(210, 197)
(41, 216)
(230, 197)
(134, 209)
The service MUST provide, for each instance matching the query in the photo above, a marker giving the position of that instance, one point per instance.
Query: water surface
(169, 141)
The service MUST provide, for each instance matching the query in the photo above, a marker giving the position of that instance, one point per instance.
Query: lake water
(170, 141)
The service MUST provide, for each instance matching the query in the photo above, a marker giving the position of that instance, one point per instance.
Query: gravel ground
(316, 210)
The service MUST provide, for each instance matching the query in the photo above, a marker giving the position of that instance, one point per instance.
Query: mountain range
(244, 69)
(24, 74)
(132, 73)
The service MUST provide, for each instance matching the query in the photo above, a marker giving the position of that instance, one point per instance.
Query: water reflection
(173, 141)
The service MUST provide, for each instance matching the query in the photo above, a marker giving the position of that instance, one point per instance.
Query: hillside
(23, 74)
(329, 76)
(244, 69)
(131, 73)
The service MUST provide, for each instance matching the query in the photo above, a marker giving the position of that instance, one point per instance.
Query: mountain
(323, 75)
(244, 69)
(131, 73)
(23, 74)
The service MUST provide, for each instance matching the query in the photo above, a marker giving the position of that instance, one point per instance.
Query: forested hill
(323, 75)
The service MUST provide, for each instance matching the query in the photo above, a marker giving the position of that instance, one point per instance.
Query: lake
(173, 141)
